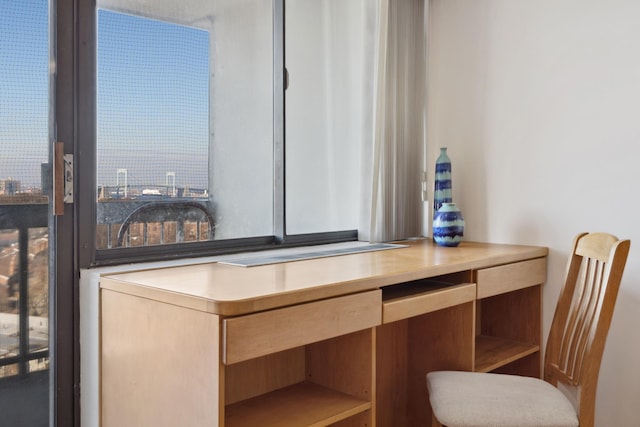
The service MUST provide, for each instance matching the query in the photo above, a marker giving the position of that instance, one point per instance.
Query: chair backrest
(582, 318)
(161, 212)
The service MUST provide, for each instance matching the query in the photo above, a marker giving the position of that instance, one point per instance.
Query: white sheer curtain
(397, 156)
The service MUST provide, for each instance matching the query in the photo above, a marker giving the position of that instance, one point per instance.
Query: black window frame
(90, 256)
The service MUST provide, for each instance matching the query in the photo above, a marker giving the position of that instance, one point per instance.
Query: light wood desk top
(231, 290)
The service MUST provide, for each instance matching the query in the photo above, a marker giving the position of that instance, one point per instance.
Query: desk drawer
(427, 301)
(510, 277)
(254, 335)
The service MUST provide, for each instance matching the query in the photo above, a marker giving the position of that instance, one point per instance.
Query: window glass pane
(242, 118)
(328, 104)
(9, 300)
(24, 220)
(184, 121)
(38, 295)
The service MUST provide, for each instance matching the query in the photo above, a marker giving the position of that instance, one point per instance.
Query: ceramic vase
(442, 182)
(448, 225)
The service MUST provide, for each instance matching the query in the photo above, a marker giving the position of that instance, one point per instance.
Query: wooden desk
(342, 341)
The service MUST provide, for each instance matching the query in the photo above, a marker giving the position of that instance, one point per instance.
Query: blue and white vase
(442, 182)
(448, 225)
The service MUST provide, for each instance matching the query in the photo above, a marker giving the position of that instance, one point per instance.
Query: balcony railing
(143, 222)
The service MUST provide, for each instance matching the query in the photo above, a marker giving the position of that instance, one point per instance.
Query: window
(26, 346)
(152, 124)
(190, 118)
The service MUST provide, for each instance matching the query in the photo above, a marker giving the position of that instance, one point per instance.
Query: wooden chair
(566, 396)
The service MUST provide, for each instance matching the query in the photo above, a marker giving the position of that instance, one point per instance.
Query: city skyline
(152, 97)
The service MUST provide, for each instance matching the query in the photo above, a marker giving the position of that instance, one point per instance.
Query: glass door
(25, 219)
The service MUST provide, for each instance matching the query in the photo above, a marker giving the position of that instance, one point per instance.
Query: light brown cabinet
(342, 341)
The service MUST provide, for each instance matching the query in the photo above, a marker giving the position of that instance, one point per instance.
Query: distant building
(39, 245)
(9, 187)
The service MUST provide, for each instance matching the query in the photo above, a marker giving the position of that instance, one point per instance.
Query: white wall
(538, 103)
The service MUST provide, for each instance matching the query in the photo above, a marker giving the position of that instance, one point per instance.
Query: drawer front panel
(426, 302)
(511, 277)
(259, 334)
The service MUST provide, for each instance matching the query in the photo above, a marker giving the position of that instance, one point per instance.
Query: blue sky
(153, 96)
(24, 77)
(152, 100)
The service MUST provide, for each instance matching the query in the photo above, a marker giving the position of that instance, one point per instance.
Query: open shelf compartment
(303, 404)
(493, 352)
(508, 332)
(319, 384)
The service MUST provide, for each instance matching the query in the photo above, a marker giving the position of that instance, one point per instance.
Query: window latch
(62, 178)
(286, 79)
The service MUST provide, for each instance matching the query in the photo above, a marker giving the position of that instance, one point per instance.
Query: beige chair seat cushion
(473, 399)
